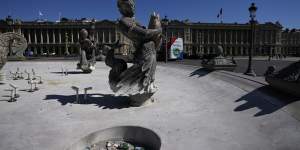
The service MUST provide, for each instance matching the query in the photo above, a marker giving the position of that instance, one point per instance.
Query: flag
(40, 13)
(220, 13)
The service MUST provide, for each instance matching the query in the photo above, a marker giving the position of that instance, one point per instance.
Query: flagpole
(222, 18)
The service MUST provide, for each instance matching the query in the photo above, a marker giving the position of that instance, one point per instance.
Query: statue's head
(83, 34)
(126, 7)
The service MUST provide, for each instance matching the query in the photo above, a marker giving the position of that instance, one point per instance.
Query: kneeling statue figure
(137, 81)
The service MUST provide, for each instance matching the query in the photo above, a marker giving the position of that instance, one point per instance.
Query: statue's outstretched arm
(147, 33)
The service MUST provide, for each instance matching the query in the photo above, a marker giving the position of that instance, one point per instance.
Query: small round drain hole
(119, 138)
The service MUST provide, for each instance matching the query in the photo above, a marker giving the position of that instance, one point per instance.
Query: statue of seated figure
(87, 57)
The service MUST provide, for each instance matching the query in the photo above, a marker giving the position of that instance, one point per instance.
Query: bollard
(28, 75)
(33, 74)
(35, 87)
(20, 75)
(77, 94)
(15, 76)
(40, 79)
(15, 95)
(85, 93)
(12, 99)
(30, 82)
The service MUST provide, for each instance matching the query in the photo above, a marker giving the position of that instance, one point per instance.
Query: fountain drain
(119, 138)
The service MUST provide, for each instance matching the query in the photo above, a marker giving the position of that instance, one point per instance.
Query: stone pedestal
(141, 99)
(219, 63)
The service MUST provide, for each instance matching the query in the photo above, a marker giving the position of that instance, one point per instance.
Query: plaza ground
(194, 109)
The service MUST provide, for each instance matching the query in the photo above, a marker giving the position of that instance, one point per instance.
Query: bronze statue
(137, 81)
(87, 57)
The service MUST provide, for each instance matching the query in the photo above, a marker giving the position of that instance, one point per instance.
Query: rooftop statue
(88, 50)
(12, 43)
(137, 81)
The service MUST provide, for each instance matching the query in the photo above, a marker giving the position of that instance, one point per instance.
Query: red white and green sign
(176, 49)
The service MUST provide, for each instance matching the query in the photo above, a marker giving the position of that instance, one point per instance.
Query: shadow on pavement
(266, 105)
(106, 101)
(71, 72)
(200, 72)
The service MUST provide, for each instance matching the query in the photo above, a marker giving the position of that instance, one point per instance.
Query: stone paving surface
(194, 110)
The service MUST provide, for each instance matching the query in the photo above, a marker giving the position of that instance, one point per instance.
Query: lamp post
(166, 46)
(93, 27)
(252, 11)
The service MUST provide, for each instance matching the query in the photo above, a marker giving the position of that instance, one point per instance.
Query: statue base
(219, 63)
(286, 80)
(141, 99)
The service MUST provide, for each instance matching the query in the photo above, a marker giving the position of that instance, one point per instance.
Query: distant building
(291, 42)
(203, 38)
(55, 38)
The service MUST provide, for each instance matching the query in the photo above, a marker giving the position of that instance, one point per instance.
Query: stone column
(29, 36)
(236, 37)
(59, 36)
(197, 36)
(203, 36)
(103, 37)
(214, 37)
(72, 36)
(208, 39)
(220, 37)
(98, 40)
(35, 38)
(271, 37)
(41, 36)
(231, 39)
(109, 37)
(53, 36)
(47, 32)
(242, 37)
(225, 37)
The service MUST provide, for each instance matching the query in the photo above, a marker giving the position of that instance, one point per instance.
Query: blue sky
(285, 11)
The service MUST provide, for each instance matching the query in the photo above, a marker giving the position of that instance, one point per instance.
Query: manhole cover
(119, 138)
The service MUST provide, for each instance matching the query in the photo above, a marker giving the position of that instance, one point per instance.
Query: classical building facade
(60, 38)
(203, 38)
(291, 42)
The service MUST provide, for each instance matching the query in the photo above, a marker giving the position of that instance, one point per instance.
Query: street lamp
(166, 45)
(93, 29)
(252, 10)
